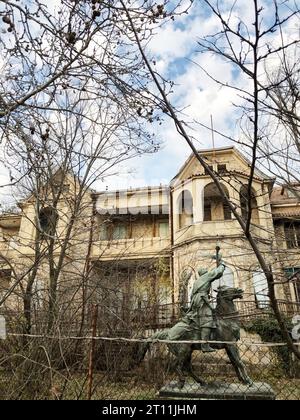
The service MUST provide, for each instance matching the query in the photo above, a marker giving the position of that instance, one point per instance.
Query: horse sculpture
(226, 336)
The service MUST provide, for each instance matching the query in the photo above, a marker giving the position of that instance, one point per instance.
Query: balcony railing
(130, 321)
(123, 248)
(165, 316)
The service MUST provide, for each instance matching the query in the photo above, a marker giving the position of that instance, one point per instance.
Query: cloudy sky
(177, 57)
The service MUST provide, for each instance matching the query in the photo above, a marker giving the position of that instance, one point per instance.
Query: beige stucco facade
(179, 225)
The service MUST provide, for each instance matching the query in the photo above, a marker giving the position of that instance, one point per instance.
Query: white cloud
(173, 46)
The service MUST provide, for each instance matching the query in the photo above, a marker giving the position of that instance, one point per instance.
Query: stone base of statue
(218, 391)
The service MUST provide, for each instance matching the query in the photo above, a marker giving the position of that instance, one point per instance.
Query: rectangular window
(297, 233)
(207, 212)
(295, 280)
(261, 290)
(297, 289)
(163, 229)
(206, 171)
(61, 188)
(292, 234)
(222, 169)
(119, 232)
(227, 212)
(104, 232)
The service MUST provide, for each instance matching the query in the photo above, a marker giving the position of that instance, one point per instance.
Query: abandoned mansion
(127, 250)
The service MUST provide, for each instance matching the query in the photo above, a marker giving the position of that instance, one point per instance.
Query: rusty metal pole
(92, 352)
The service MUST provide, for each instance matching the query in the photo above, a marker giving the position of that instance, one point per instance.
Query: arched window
(226, 280)
(185, 209)
(244, 200)
(215, 207)
(260, 286)
(48, 220)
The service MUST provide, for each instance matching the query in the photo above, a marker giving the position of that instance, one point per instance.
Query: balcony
(131, 248)
(209, 230)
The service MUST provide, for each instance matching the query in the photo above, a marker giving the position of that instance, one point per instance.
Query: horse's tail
(145, 346)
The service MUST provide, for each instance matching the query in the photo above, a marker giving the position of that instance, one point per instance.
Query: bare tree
(246, 46)
(74, 99)
(58, 163)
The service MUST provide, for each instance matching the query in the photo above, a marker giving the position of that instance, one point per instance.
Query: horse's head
(229, 293)
(225, 300)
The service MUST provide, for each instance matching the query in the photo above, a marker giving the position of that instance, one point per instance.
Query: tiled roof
(280, 195)
(287, 213)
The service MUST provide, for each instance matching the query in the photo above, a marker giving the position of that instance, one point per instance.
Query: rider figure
(200, 314)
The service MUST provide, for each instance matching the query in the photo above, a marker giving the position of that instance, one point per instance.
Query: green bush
(269, 331)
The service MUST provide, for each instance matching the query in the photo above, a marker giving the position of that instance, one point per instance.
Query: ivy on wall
(269, 331)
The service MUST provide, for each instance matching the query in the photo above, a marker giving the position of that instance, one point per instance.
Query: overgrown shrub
(269, 331)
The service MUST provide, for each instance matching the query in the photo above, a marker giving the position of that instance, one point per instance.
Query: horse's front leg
(181, 376)
(235, 358)
(196, 377)
(184, 364)
(178, 352)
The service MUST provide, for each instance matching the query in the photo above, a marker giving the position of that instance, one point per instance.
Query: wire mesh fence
(104, 368)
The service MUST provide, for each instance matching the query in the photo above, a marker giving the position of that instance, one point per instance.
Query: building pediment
(223, 160)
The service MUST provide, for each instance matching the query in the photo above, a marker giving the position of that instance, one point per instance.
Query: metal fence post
(92, 352)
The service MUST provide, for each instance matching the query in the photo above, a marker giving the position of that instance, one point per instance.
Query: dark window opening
(222, 169)
(295, 280)
(215, 207)
(206, 171)
(292, 234)
(48, 220)
(297, 288)
(227, 212)
(207, 212)
(61, 188)
(5, 277)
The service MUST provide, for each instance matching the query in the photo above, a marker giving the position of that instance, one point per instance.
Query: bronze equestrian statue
(203, 323)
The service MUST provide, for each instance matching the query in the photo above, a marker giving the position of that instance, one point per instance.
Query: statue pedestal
(219, 391)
